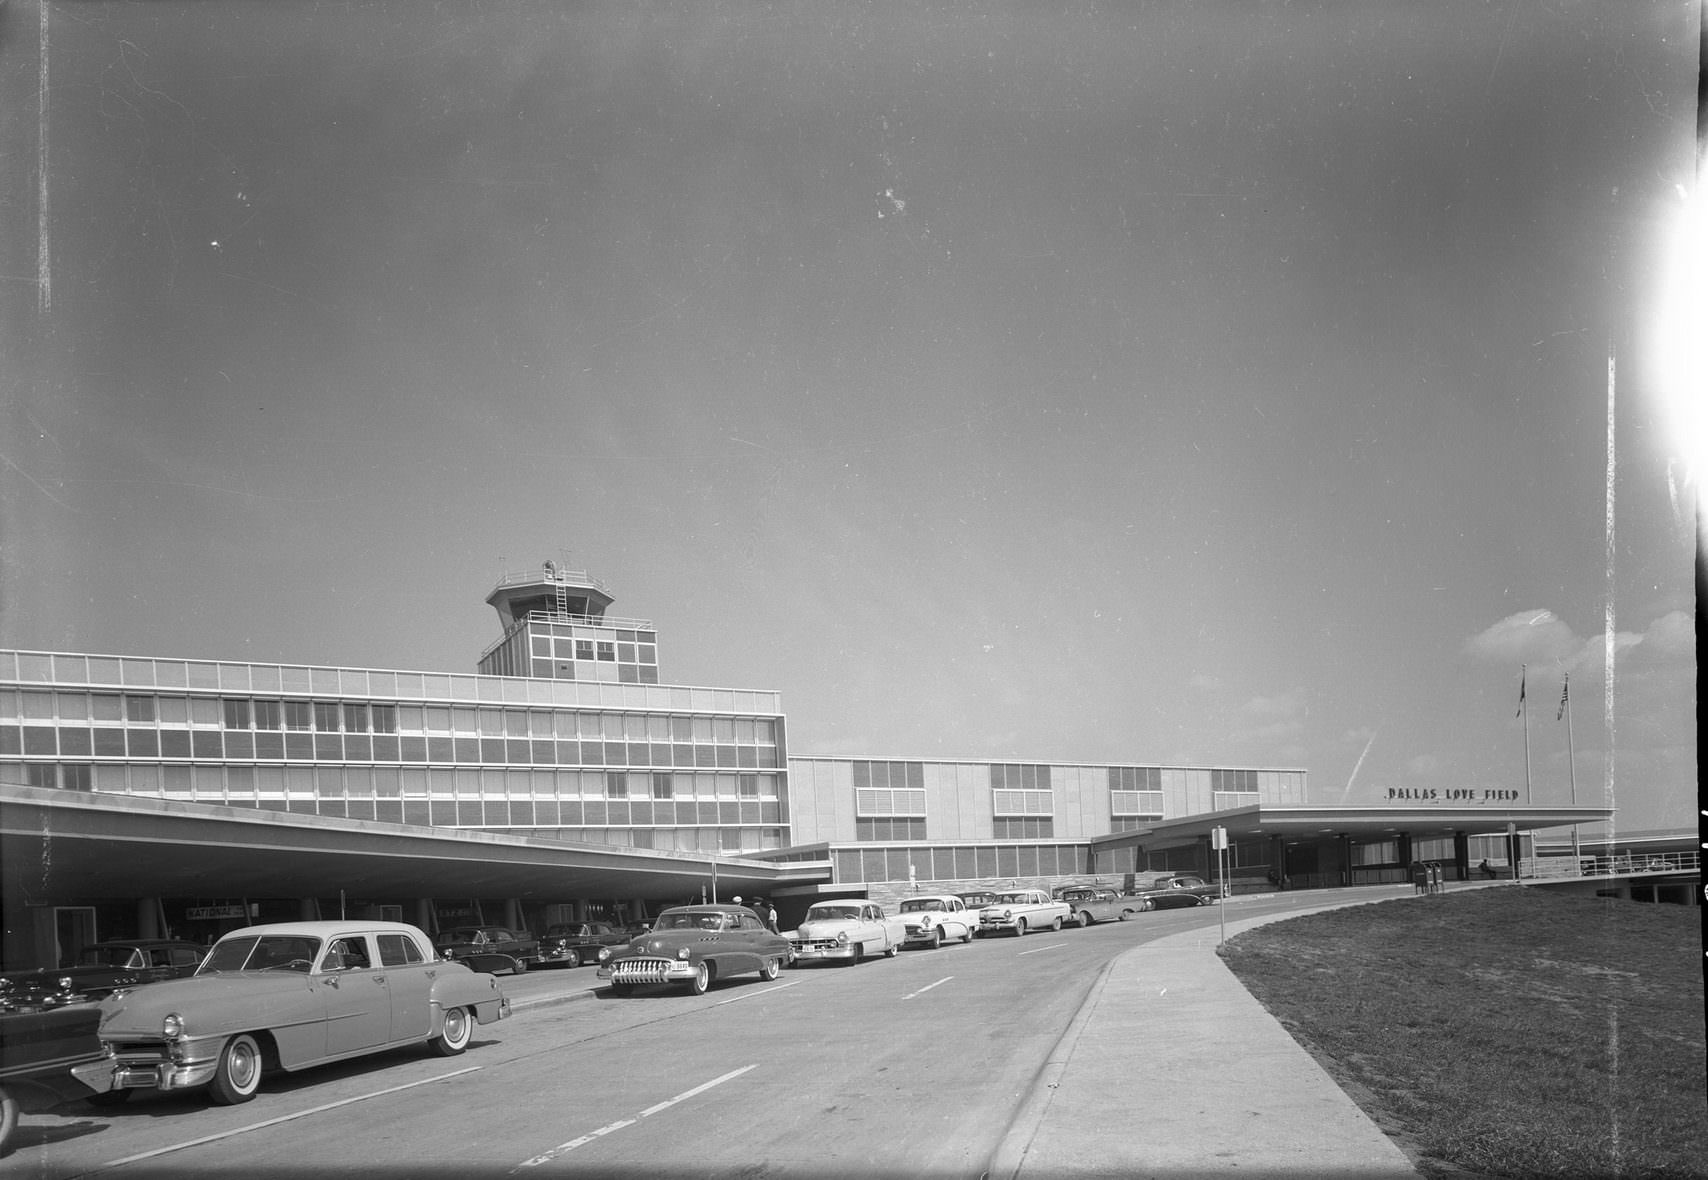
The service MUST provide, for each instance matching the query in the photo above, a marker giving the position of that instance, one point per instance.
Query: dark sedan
(101, 968)
(497, 950)
(570, 944)
(693, 945)
(1171, 893)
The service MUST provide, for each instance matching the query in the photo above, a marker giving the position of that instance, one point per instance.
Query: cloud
(1540, 637)
(1528, 637)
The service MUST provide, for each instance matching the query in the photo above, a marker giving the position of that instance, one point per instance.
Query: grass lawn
(1506, 1031)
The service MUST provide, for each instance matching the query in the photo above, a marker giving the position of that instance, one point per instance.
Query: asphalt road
(911, 1066)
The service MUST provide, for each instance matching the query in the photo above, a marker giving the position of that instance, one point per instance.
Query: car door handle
(379, 979)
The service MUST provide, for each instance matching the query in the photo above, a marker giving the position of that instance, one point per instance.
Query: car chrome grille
(819, 944)
(639, 970)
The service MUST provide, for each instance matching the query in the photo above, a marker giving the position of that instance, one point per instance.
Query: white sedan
(935, 918)
(846, 932)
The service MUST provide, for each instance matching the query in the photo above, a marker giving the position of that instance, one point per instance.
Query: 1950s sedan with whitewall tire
(696, 945)
(846, 931)
(288, 996)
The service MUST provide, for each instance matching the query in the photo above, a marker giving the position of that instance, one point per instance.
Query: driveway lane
(850, 1075)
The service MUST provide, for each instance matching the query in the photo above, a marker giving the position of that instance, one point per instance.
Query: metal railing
(1555, 868)
(539, 574)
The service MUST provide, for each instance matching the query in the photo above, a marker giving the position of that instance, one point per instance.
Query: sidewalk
(1172, 1070)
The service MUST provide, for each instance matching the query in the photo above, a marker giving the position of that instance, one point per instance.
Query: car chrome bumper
(118, 1074)
(806, 952)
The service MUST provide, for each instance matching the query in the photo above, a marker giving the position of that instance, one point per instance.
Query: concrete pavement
(1172, 1070)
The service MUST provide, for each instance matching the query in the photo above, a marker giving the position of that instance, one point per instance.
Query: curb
(550, 1001)
(1010, 1154)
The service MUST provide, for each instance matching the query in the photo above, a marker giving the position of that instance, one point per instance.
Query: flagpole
(1571, 758)
(1524, 711)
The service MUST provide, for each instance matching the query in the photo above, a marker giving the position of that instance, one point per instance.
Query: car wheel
(521, 966)
(8, 1120)
(854, 959)
(702, 979)
(1147, 905)
(936, 938)
(770, 968)
(572, 959)
(892, 950)
(1056, 926)
(1084, 919)
(455, 1031)
(968, 936)
(1020, 928)
(1125, 914)
(238, 1074)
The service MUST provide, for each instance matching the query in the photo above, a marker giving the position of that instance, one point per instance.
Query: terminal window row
(985, 863)
(589, 650)
(217, 780)
(361, 717)
(70, 741)
(144, 674)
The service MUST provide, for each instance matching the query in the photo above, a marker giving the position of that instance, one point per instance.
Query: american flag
(1565, 688)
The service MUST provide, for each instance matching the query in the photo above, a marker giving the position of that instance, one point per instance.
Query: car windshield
(1013, 898)
(921, 905)
(1077, 895)
(111, 956)
(272, 952)
(690, 921)
(830, 913)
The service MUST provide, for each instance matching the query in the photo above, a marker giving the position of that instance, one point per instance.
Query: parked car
(101, 967)
(570, 944)
(289, 996)
(846, 932)
(37, 1053)
(1170, 893)
(977, 899)
(694, 945)
(1020, 910)
(932, 919)
(1093, 904)
(496, 950)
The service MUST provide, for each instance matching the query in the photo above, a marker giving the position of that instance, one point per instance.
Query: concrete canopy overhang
(57, 845)
(1360, 823)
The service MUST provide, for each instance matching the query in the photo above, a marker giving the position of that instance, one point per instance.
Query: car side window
(397, 950)
(354, 953)
(183, 956)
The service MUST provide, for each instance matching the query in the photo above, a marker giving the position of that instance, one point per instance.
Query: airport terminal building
(141, 795)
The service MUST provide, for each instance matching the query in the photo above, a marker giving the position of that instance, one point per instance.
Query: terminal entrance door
(73, 929)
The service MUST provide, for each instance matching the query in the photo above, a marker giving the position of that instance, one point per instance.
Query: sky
(1161, 383)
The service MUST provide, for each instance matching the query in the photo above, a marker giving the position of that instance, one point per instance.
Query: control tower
(556, 628)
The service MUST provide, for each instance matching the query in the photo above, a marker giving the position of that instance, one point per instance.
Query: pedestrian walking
(1419, 878)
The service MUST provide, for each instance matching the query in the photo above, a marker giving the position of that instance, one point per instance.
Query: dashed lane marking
(547, 1157)
(1049, 946)
(928, 987)
(748, 995)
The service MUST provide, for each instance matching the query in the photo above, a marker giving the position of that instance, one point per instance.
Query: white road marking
(547, 1157)
(284, 1118)
(1047, 947)
(748, 995)
(928, 987)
